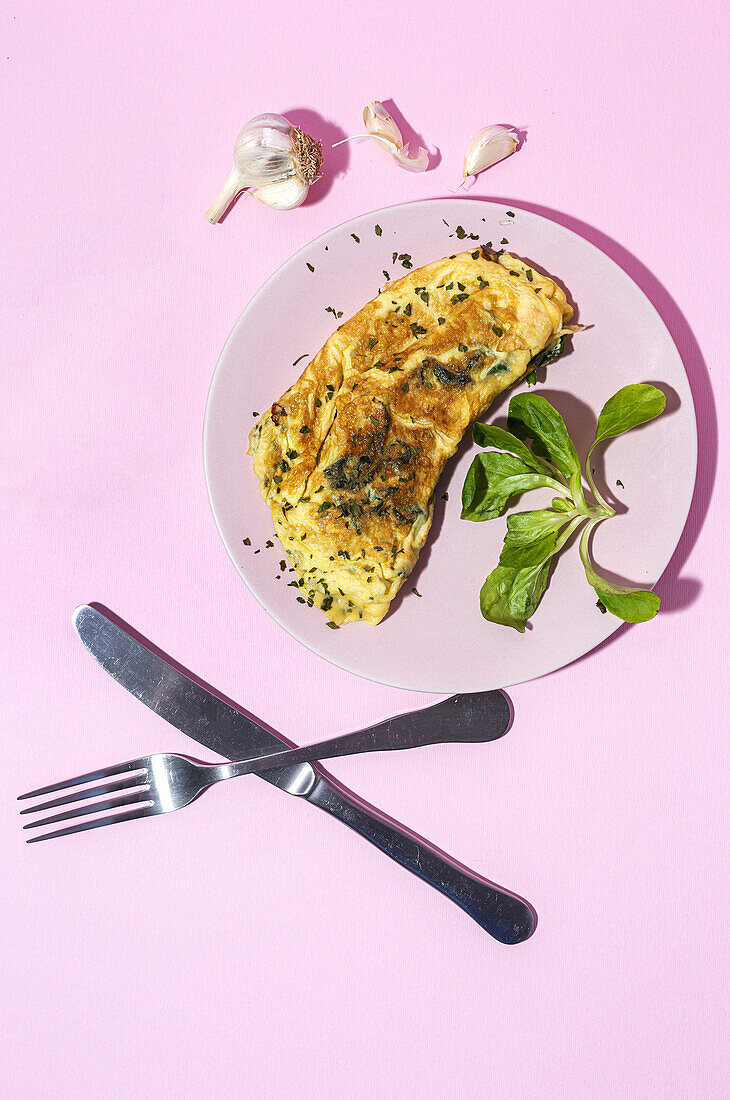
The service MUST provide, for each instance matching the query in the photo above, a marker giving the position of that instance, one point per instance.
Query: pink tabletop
(251, 947)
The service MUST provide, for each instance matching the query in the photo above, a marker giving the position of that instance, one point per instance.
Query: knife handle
(507, 918)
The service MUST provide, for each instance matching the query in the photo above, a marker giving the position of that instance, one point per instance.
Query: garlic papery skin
(270, 151)
(232, 187)
(382, 127)
(263, 150)
(283, 194)
(418, 163)
(488, 146)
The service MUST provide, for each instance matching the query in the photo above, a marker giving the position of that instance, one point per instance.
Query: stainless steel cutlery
(210, 720)
(167, 781)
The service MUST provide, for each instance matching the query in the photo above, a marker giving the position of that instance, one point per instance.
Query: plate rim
(690, 483)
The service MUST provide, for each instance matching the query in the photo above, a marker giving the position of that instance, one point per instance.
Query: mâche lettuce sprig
(538, 453)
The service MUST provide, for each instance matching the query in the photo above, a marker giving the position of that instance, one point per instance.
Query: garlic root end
(352, 137)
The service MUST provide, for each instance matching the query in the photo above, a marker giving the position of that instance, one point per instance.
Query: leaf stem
(605, 506)
(583, 545)
(576, 490)
(567, 532)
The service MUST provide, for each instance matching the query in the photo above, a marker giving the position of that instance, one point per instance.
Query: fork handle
(479, 717)
(507, 918)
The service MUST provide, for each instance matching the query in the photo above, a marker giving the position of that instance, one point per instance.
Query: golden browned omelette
(349, 457)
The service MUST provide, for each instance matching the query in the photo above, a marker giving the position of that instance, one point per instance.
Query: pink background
(250, 946)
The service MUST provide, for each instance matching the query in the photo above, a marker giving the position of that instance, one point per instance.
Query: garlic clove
(379, 124)
(383, 128)
(283, 194)
(418, 163)
(488, 146)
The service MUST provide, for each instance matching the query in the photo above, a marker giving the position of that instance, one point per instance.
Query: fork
(164, 782)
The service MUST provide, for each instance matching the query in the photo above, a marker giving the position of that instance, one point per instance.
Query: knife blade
(212, 721)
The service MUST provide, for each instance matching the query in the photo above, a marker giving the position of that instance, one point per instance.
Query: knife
(213, 722)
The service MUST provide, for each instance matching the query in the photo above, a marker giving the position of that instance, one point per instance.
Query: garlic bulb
(270, 153)
(382, 127)
(489, 145)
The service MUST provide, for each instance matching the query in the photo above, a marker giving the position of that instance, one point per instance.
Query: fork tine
(103, 773)
(97, 823)
(79, 811)
(88, 792)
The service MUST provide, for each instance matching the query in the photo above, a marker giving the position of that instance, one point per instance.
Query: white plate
(440, 642)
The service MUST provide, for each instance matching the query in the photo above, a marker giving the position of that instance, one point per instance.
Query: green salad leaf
(631, 406)
(527, 527)
(494, 477)
(489, 435)
(510, 596)
(531, 537)
(633, 605)
(531, 416)
(628, 408)
(512, 591)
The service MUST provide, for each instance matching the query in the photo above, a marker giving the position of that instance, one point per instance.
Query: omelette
(349, 457)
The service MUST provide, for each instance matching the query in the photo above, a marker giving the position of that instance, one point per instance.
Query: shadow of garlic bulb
(272, 160)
